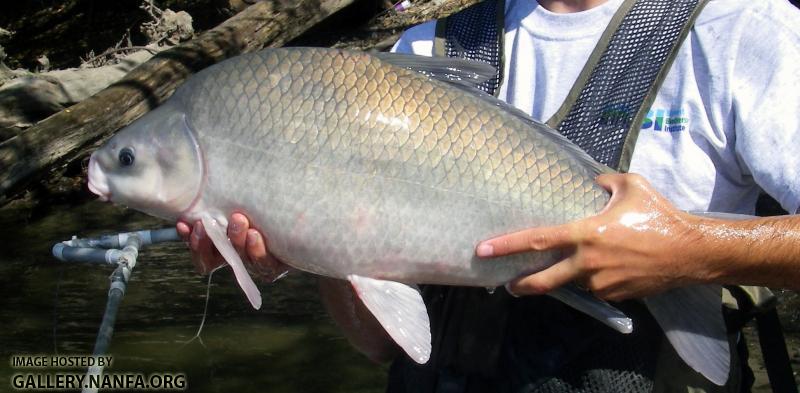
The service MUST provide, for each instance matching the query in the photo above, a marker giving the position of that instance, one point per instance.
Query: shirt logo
(616, 115)
(666, 120)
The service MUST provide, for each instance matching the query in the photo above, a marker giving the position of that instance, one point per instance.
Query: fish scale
(324, 134)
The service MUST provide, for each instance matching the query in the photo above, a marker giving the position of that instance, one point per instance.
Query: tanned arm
(640, 244)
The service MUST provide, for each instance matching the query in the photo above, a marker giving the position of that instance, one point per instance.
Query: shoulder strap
(619, 82)
(475, 33)
(605, 108)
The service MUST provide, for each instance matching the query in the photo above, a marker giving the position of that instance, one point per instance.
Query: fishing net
(613, 363)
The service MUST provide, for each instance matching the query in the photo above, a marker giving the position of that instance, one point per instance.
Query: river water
(290, 345)
(49, 307)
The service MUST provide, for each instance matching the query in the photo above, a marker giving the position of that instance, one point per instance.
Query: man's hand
(638, 245)
(357, 322)
(252, 247)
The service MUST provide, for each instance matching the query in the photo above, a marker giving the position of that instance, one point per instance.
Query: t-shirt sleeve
(417, 40)
(766, 101)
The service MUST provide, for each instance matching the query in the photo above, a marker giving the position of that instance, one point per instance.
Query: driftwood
(30, 97)
(64, 136)
(383, 30)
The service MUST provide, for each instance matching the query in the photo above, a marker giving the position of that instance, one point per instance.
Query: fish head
(153, 165)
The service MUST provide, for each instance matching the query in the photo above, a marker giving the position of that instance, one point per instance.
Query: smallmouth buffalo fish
(385, 170)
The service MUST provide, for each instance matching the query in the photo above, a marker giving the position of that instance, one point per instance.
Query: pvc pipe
(147, 237)
(91, 249)
(106, 250)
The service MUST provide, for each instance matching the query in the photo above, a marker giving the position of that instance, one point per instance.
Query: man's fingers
(266, 266)
(610, 181)
(247, 241)
(195, 238)
(255, 247)
(194, 247)
(533, 239)
(546, 280)
(184, 230)
(203, 251)
(237, 231)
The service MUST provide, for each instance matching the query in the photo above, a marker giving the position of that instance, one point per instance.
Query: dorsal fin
(458, 72)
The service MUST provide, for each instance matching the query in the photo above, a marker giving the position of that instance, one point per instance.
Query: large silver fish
(358, 167)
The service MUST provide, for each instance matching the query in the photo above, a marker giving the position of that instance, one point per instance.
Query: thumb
(546, 280)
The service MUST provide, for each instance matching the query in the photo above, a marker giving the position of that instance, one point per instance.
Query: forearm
(762, 251)
(357, 323)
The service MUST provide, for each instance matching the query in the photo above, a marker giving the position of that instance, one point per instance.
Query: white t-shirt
(726, 122)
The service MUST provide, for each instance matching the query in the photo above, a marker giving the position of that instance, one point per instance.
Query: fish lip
(102, 197)
(97, 181)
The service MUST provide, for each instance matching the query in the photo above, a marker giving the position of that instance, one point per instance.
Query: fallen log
(65, 135)
(382, 30)
(31, 97)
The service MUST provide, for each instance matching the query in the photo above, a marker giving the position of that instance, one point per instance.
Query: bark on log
(32, 97)
(61, 137)
(383, 30)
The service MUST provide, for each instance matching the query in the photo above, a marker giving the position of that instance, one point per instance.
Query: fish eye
(126, 156)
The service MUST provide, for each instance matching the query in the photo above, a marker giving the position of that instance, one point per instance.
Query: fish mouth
(98, 183)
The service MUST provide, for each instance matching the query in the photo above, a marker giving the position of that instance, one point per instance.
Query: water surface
(49, 307)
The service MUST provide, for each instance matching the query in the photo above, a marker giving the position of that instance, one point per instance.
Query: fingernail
(236, 227)
(252, 238)
(485, 250)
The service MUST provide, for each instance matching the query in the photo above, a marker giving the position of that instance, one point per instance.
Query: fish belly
(337, 224)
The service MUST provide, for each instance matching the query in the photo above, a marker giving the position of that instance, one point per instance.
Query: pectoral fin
(588, 304)
(217, 234)
(401, 312)
(691, 317)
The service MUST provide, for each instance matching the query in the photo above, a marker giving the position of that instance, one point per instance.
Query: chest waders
(490, 342)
